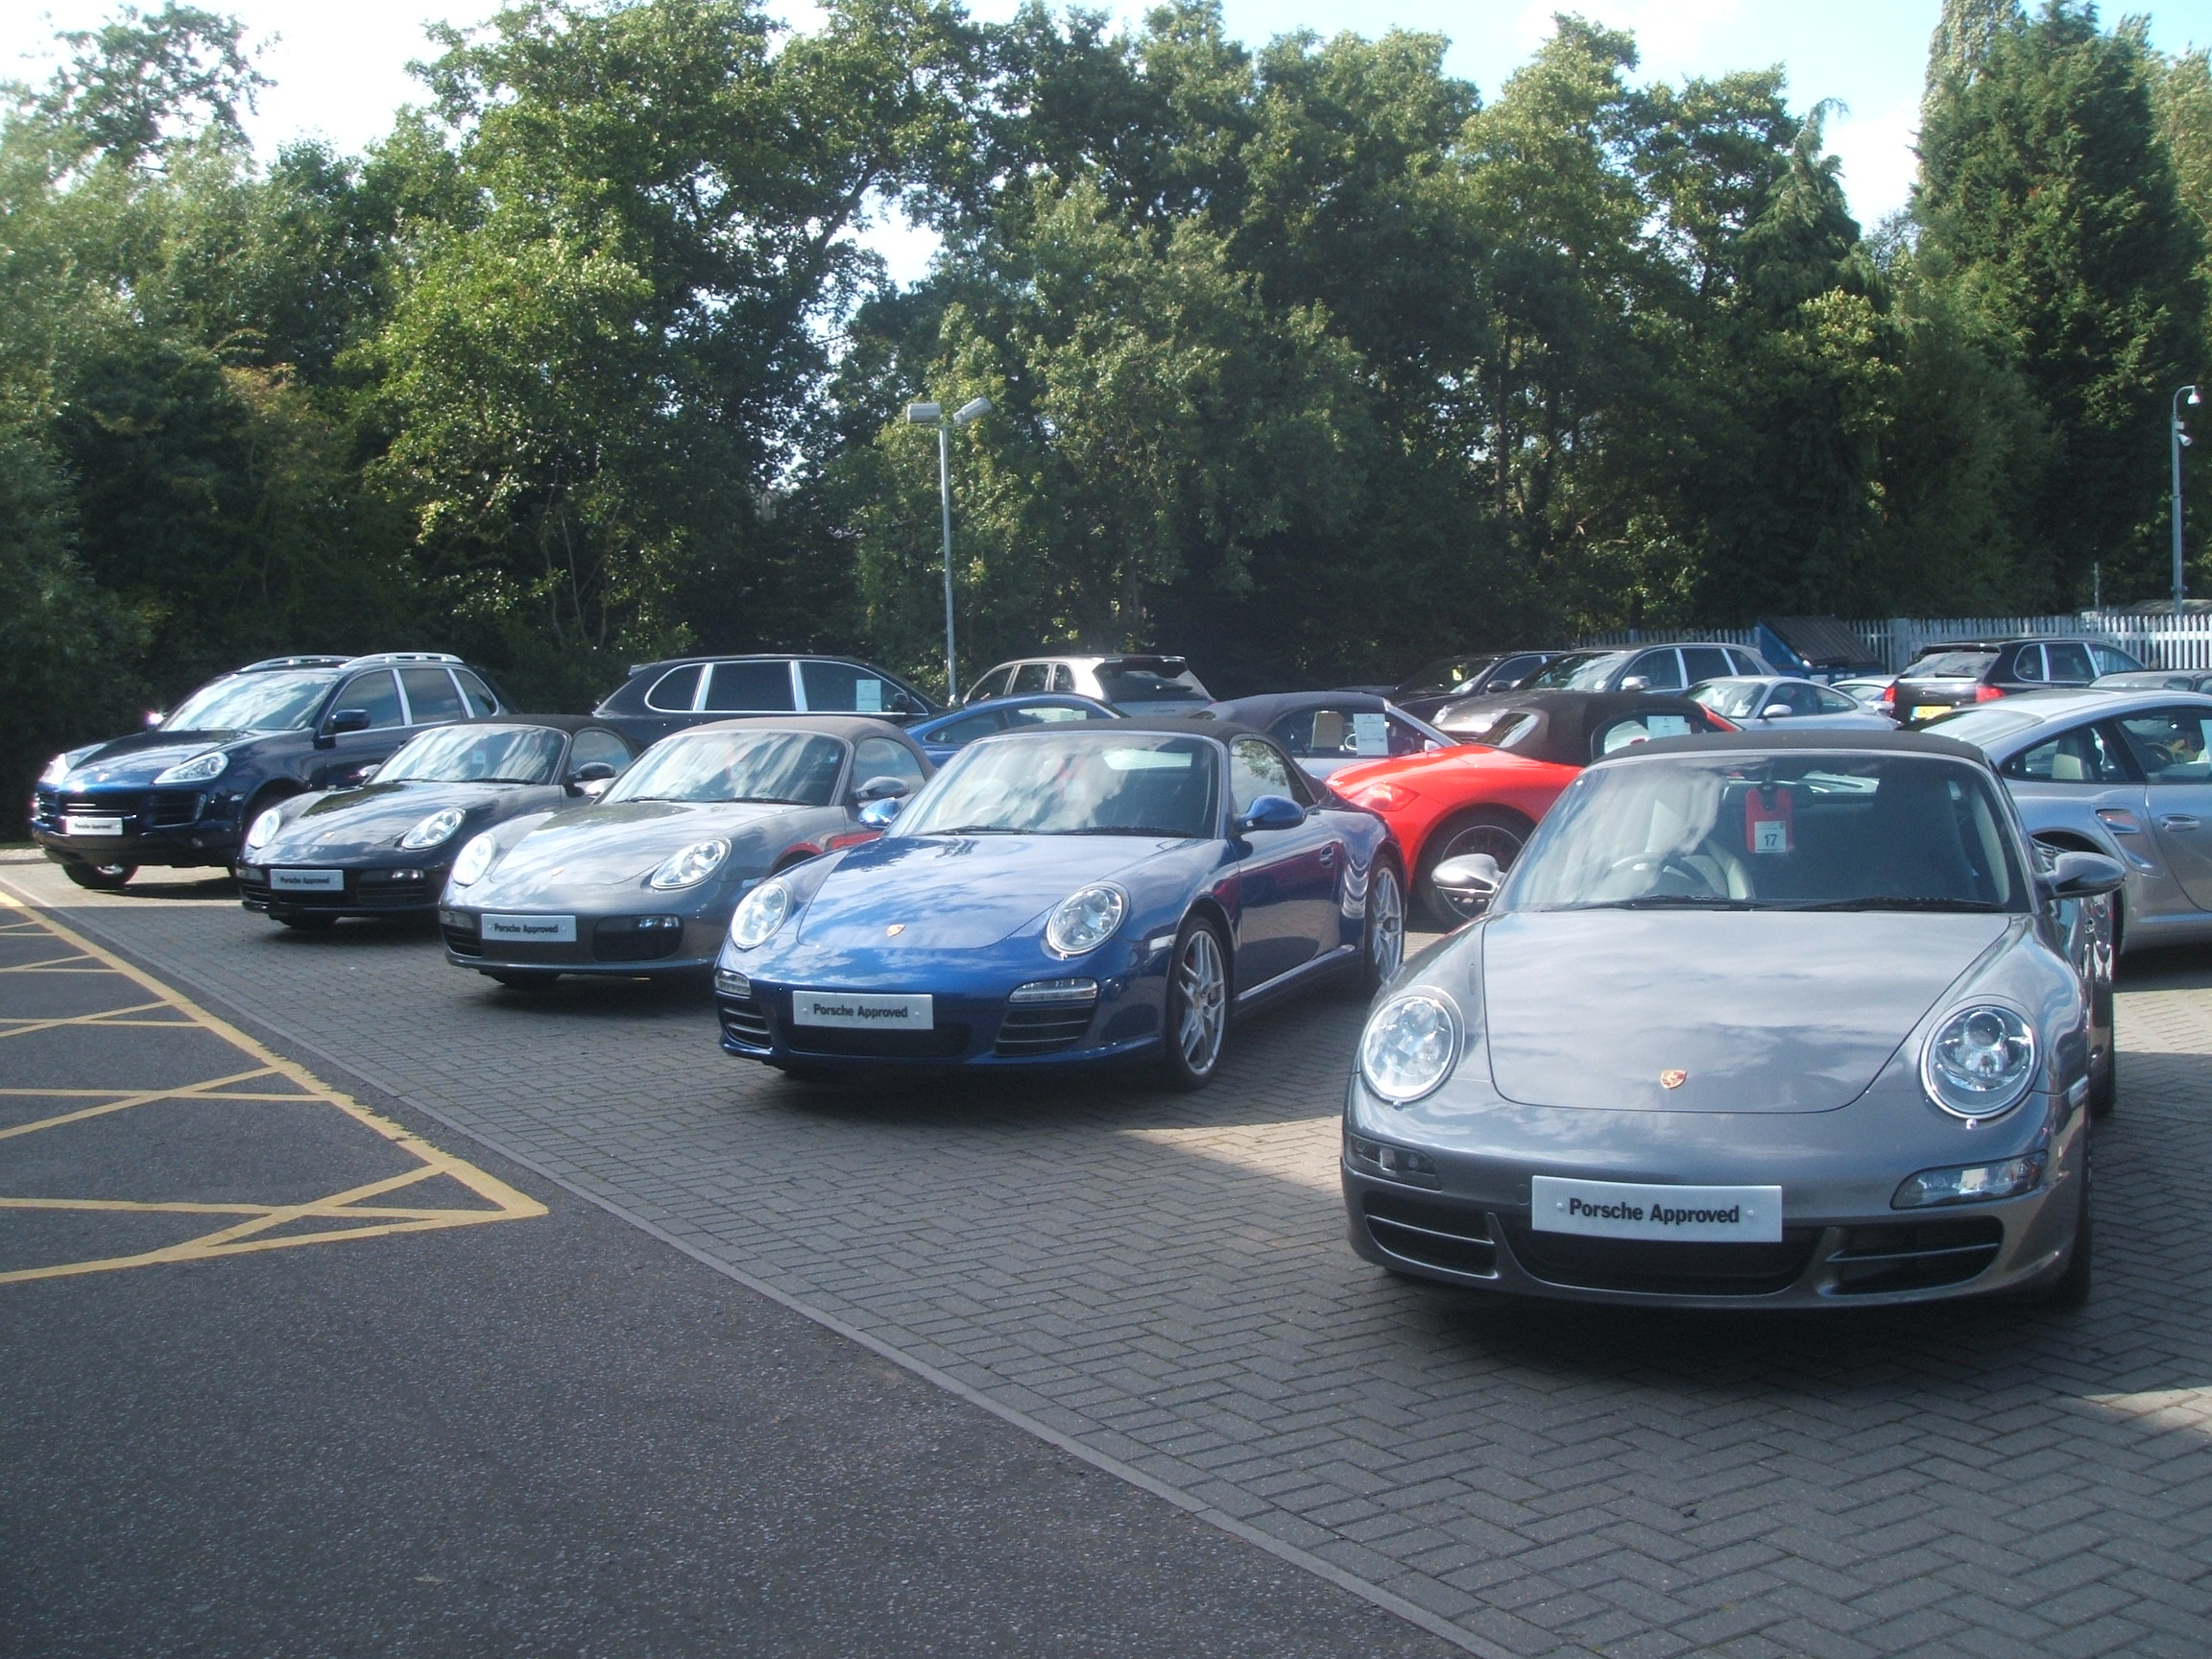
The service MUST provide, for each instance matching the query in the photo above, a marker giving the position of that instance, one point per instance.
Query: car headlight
(434, 829)
(760, 914)
(475, 858)
(1980, 1061)
(1409, 1047)
(692, 866)
(263, 830)
(57, 772)
(1084, 921)
(200, 769)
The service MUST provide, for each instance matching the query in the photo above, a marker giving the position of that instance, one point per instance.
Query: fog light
(1970, 1184)
(656, 923)
(1396, 1162)
(460, 919)
(732, 985)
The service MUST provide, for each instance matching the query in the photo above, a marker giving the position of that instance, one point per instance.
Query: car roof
(1767, 742)
(638, 668)
(1270, 707)
(851, 727)
(1179, 725)
(2000, 642)
(1021, 700)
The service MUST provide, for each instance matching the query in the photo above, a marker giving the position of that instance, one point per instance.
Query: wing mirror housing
(1637, 683)
(2080, 875)
(1776, 712)
(876, 814)
(342, 720)
(589, 779)
(1272, 813)
(884, 788)
(1473, 879)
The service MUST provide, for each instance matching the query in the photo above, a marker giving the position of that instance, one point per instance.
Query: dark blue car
(183, 792)
(1067, 896)
(946, 734)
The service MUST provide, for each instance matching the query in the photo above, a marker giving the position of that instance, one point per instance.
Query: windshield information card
(1691, 1215)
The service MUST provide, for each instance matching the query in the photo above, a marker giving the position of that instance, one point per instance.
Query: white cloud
(1879, 165)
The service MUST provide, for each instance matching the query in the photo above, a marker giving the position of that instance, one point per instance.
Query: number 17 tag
(1766, 821)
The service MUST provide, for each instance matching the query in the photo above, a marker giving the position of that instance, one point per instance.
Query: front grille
(1042, 1030)
(744, 1025)
(172, 809)
(1915, 1255)
(1433, 1235)
(942, 1043)
(1663, 1269)
(463, 941)
(635, 939)
(122, 804)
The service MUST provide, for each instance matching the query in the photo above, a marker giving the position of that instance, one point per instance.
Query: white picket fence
(2158, 642)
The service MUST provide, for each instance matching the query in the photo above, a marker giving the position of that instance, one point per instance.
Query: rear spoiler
(1148, 664)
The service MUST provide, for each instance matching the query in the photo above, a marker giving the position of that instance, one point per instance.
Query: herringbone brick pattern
(1164, 1280)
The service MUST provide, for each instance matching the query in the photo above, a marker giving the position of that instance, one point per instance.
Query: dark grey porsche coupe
(643, 881)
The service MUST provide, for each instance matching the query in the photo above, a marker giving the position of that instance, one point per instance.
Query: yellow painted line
(105, 1017)
(54, 965)
(244, 1236)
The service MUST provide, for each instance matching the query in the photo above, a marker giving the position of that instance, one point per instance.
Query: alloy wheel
(1385, 923)
(1204, 990)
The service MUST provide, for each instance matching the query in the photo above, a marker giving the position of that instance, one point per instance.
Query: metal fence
(2160, 641)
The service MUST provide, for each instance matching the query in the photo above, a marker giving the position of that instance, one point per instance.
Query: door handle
(2179, 821)
(1328, 853)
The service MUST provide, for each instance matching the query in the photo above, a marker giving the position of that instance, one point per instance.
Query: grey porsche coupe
(643, 881)
(1756, 1021)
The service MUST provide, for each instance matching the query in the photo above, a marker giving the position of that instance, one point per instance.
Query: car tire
(307, 924)
(1382, 935)
(1194, 1027)
(1493, 830)
(100, 877)
(520, 978)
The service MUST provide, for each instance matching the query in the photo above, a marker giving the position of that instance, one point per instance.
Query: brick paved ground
(1162, 1280)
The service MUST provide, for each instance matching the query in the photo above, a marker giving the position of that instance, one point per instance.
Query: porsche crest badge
(1672, 1079)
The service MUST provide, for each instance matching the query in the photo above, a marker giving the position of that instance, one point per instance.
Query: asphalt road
(292, 1370)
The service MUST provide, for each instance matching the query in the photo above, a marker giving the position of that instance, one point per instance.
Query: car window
(593, 746)
(1050, 714)
(846, 688)
(1662, 670)
(1512, 671)
(1063, 676)
(874, 757)
(375, 691)
(1344, 735)
(2110, 660)
(1704, 662)
(2027, 665)
(1579, 671)
(1733, 699)
(967, 729)
(2068, 663)
(1746, 662)
(749, 688)
(1031, 678)
(2170, 744)
(1950, 665)
(1832, 702)
(1799, 696)
(677, 690)
(251, 702)
(1632, 729)
(1256, 769)
(479, 695)
(992, 684)
(2086, 755)
(431, 697)
(1450, 674)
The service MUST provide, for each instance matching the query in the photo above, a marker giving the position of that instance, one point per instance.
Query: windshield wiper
(976, 830)
(1901, 902)
(1125, 830)
(1672, 902)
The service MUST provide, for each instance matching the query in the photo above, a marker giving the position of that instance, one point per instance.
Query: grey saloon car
(1756, 1021)
(643, 880)
(2125, 773)
(1767, 698)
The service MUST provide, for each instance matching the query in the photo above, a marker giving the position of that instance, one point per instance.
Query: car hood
(618, 845)
(143, 755)
(372, 818)
(1765, 1011)
(959, 893)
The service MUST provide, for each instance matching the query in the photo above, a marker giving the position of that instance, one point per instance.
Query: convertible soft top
(1841, 742)
(1568, 720)
(1265, 710)
(851, 727)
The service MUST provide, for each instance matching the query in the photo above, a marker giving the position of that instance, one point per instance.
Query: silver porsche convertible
(1761, 1021)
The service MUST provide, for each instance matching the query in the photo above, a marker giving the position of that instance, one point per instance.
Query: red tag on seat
(1767, 826)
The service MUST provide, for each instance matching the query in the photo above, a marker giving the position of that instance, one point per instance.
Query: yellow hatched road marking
(248, 1233)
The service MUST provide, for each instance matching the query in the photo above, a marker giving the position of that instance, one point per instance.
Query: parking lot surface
(1161, 1282)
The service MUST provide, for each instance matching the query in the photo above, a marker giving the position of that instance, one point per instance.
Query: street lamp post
(2180, 439)
(933, 415)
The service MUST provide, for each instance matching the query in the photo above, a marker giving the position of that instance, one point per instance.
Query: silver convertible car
(1773, 1020)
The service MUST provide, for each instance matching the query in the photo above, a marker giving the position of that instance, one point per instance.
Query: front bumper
(626, 943)
(367, 890)
(156, 826)
(971, 1030)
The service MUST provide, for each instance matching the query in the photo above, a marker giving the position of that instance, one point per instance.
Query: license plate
(531, 929)
(307, 881)
(72, 824)
(855, 1012)
(1619, 1209)
(1929, 710)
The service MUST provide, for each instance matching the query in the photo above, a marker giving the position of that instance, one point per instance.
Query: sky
(339, 71)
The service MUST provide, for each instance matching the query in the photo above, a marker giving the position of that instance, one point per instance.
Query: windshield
(251, 702)
(1072, 784)
(476, 754)
(1142, 685)
(1731, 699)
(1796, 831)
(1440, 679)
(1582, 671)
(794, 768)
(1951, 665)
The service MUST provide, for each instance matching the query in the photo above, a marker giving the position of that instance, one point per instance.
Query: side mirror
(155, 717)
(1473, 879)
(884, 788)
(1775, 712)
(592, 772)
(898, 702)
(370, 775)
(1637, 683)
(1272, 813)
(343, 720)
(2079, 875)
(878, 814)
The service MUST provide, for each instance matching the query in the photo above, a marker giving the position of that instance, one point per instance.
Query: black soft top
(1780, 742)
(568, 723)
(850, 727)
(1571, 719)
(1270, 707)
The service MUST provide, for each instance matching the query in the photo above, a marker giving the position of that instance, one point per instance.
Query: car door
(670, 701)
(342, 756)
(1287, 886)
(2066, 662)
(432, 697)
(1030, 679)
(1705, 663)
(2173, 748)
(2085, 772)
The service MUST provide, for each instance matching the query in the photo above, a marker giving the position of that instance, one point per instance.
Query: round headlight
(692, 866)
(1409, 1047)
(760, 914)
(263, 830)
(200, 769)
(1980, 1061)
(475, 858)
(433, 829)
(1084, 921)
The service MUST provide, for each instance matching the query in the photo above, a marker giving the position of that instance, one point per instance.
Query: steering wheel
(1686, 879)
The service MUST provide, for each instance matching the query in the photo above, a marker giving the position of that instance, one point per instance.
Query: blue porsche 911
(1080, 893)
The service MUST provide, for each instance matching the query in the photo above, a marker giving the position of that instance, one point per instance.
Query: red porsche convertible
(1485, 795)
